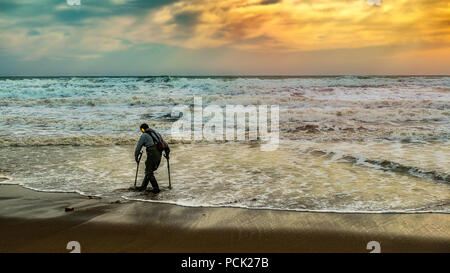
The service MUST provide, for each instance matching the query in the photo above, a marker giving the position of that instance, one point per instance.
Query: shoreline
(127, 199)
(32, 221)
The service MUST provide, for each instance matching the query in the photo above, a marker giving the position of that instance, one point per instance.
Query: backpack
(156, 139)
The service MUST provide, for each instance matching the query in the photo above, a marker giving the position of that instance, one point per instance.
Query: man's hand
(167, 152)
(138, 157)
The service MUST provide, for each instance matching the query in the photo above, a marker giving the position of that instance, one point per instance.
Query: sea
(347, 144)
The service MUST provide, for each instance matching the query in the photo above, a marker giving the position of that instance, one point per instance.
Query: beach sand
(36, 222)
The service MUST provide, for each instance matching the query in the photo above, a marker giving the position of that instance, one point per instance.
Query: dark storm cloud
(186, 23)
(269, 2)
(46, 10)
(187, 18)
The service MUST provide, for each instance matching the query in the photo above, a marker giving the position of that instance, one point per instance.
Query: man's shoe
(135, 189)
(155, 191)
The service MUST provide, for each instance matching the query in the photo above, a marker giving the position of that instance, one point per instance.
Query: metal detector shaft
(137, 169)
(168, 170)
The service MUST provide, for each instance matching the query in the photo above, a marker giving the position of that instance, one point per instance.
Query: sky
(224, 37)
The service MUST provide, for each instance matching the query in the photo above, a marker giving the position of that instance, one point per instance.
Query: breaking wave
(387, 165)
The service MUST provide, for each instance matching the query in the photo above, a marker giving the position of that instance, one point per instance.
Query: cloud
(59, 12)
(52, 29)
(269, 2)
(186, 18)
(293, 25)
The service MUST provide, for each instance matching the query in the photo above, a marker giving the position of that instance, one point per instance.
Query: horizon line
(229, 75)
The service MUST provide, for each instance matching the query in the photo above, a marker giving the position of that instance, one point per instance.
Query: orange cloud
(294, 25)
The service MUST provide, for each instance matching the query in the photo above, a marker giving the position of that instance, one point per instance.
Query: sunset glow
(229, 36)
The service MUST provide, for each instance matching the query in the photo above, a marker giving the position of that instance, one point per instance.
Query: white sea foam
(237, 175)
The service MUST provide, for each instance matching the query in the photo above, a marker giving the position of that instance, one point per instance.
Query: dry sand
(36, 222)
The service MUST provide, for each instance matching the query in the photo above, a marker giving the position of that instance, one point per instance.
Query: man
(154, 144)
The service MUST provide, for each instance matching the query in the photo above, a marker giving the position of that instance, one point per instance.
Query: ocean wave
(131, 100)
(238, 175)
(425, 209)
(364, 131)
(90, 134)
(67, 141)
(386, 165)
(347, 88)
(100, 141)
(440, 207)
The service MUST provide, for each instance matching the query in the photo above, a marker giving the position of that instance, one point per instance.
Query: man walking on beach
(155, 145)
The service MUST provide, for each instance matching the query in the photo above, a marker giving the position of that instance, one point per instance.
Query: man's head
(144, 126)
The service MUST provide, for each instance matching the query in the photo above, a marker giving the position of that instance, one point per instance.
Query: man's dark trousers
(151, 165)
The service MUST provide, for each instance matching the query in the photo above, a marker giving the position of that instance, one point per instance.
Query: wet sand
(36, 222)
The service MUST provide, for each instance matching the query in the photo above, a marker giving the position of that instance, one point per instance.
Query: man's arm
(166, 148)
(166, 145)
(139, 147)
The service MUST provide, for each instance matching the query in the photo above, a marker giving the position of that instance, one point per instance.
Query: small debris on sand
(93, 197)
